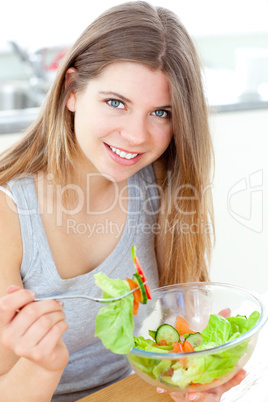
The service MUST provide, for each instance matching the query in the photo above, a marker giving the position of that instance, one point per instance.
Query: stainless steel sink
(19, 106)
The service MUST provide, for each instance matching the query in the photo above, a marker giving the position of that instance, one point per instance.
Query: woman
(121, 145)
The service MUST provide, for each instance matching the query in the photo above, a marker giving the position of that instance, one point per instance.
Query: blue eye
(115, 103)
(162, 113)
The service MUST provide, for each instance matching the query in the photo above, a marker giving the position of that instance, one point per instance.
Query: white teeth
(122, 154)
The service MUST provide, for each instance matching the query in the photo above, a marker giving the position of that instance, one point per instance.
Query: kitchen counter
(239, 106)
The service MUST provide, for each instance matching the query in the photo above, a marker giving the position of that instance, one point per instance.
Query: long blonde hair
(153, 36)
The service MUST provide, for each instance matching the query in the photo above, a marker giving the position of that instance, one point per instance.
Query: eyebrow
(116, 94)
(110, 93)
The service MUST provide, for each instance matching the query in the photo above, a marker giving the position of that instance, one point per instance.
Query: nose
(135, 130)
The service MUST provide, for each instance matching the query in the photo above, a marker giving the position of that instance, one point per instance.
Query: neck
(83, 189)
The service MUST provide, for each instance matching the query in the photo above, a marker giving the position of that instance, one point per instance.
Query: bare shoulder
(10, 244)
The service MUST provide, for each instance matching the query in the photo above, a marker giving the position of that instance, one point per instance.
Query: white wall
(59, 22)
(241, 198)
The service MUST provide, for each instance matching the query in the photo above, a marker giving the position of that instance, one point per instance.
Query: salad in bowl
(191, 337)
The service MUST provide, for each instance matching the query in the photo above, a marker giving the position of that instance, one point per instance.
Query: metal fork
(95, 299)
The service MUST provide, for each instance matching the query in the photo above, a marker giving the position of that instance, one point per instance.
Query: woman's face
(123, 119)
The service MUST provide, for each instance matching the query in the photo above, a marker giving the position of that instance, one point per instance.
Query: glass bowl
(195, 302)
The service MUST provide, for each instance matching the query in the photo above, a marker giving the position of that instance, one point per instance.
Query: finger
(179, 396)
(26, 318)
(226, 312)
(48, 344)
(11, 303)
(54, 336)
(40, 328)
(161, 390)
(33, 311)
(236, 380)
(12, 289)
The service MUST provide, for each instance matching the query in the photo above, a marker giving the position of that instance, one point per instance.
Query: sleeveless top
(90, 366)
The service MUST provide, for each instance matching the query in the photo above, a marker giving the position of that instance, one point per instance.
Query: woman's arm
(32, 353)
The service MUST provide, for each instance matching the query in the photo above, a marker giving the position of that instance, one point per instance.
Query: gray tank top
(90, 366)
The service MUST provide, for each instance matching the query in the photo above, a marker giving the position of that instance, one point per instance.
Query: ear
(69, 78)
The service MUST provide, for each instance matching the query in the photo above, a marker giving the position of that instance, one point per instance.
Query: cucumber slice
(194, 339)
(152, 334)
(136, 278)
(168, 333)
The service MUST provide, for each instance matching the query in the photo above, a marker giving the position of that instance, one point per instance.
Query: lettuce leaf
(204, 369)
(111, 287)
(114, 321)
(217, 332)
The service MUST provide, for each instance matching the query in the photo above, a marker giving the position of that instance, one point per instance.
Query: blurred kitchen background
(232, 39)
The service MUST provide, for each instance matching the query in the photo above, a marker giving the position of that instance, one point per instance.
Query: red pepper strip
(139, 269)
(143, 277)
(148, 291)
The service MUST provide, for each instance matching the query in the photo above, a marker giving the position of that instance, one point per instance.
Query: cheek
(89, 125)
(163, 139)
(103, 127)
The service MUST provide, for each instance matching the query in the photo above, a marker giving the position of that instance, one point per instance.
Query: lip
(122, 161)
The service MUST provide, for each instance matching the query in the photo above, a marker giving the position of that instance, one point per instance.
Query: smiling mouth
(122, 154)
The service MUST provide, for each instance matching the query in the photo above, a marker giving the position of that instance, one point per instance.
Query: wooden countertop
(130, 389)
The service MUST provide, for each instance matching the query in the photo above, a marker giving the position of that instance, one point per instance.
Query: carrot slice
(183, 327)
(135, 307)
(137, 293)
(163, 342)
(177, 347)
(187, 346)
